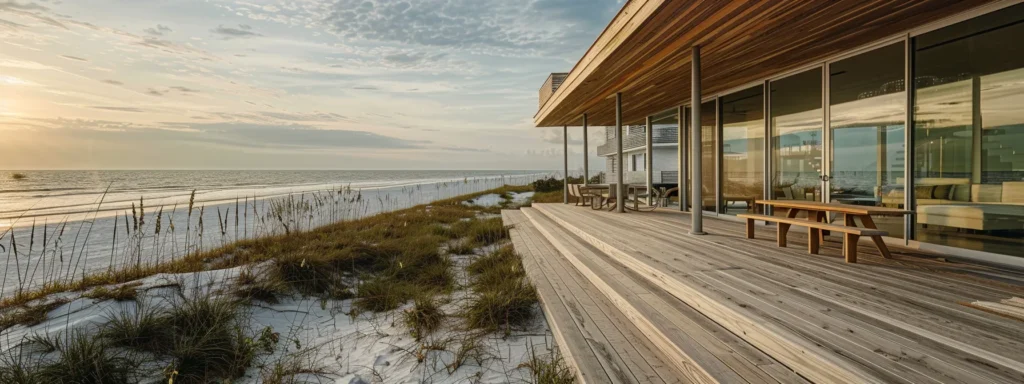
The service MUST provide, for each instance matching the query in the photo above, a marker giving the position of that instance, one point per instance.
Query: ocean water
(59, 225)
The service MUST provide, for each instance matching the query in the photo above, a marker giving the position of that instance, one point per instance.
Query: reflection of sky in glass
(855, 133)
(1002, 99)
(798, 128)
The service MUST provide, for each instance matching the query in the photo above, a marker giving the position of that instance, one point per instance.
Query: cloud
(75, 58)
(16, 6)
(491, 25)
(243, 31)
(316, 116)
(158, 30)
(119, 109)
(185, 89)
(155, 92)
(4, 24)
(408, 59)
(113, 82)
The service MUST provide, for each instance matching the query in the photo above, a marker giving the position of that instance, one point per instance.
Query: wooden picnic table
(818, 212)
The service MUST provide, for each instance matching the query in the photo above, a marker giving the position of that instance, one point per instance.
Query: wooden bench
(851, 235)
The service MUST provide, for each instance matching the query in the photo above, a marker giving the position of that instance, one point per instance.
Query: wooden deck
(634, 298)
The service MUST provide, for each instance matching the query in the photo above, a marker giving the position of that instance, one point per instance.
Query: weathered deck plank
(602, 345)
(885, 320)
(726, 359)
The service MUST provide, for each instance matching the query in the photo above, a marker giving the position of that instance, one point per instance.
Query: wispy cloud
(158, 30)
(228, 32)
(75, 58)
(119, 109)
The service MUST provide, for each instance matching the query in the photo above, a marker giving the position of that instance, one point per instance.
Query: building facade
(927, 115)
(664, 153)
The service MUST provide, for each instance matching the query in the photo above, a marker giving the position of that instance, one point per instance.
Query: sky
(300, 84)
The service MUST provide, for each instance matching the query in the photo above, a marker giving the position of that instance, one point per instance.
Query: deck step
(598, 341)
(801, 310)
(701, 349)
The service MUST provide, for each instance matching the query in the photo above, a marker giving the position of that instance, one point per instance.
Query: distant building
(665, 146)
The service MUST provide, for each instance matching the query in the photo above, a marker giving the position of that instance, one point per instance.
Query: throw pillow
(923, 191)
(942, 191)
(960, 192)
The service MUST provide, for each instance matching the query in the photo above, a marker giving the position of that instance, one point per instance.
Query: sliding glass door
(742, 150)
(867, 112)
(969, 133)
(795, 120)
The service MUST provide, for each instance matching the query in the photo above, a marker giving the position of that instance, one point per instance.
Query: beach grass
(381, 262)
(503, 298)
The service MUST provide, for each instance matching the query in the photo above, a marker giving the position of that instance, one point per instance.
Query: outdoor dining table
(818, 211)
(631, 190)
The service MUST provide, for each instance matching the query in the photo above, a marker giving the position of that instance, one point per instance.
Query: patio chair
(574, 193)
(586, 194)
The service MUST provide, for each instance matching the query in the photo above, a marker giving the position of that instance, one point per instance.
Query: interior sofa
(958, 203)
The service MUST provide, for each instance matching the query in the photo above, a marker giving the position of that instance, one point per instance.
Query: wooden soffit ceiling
(645, 52)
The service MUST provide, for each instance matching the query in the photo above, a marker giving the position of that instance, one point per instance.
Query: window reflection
(969, 134)
(708, 122)
(866, 121)
(795, 120)
(742, 150)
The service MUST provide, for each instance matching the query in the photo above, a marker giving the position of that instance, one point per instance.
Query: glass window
(796, 121)
(969, 133)
(867, 112)
(665, 164)
(742, 150)
(708, 154)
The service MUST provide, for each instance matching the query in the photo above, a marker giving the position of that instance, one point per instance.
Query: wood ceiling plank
(647, 58)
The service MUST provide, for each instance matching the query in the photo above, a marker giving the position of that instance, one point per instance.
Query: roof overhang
(644, 53)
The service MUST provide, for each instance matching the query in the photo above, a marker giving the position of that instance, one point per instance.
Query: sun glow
(6, 107)
(11, 80)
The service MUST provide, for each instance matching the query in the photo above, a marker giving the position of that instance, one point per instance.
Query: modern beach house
(850, 176)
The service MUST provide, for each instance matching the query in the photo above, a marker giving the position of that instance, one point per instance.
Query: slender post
(908, 143)
(697, 212)
(620, 189)
(565, 164)
(681, 157)
(648, 160)
(586, 153)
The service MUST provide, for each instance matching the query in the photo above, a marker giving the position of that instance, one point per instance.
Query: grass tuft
(268, 289)
(550, 370)
(502, 297)
(85, 358)
(424, 317)
(379, 294)
(143, 327)
(124, 292)
(29, 316)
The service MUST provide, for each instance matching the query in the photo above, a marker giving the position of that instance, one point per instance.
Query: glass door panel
(742, 150)
(709, 152)
(867, 112)
(795, 120)
(969, 134)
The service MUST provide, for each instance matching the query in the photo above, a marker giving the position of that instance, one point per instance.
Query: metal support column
(681, 157)
(565, 164)
(586, 153)
(696, 214)
(620, 189)
(649, 160)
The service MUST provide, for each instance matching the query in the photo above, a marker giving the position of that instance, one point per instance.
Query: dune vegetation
(445, 273)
